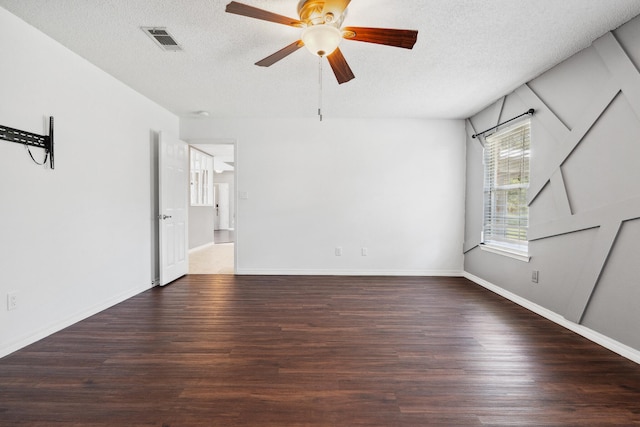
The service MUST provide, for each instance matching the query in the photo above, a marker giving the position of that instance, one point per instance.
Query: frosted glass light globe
(322, 39)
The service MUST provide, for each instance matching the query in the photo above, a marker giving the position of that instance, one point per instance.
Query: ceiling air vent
(162, 38)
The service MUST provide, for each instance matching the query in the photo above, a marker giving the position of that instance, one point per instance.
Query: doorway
(212, 226)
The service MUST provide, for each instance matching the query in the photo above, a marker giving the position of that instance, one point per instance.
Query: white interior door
(216, 207)
(223, 206)
(173, 169)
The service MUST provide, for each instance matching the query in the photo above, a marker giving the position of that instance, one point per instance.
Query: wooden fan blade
(282, 53)
(254, 12)
(336, 7)
(387, 36)
(340, 67)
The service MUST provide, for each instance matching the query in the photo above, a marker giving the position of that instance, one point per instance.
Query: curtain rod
(528, 112)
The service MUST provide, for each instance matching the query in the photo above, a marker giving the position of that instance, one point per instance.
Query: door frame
(236, 222)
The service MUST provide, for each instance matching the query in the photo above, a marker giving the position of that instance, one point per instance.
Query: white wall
(201, 225)
(395, 187)
(79, 238)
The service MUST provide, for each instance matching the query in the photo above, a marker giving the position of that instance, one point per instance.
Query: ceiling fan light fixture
(321, 40)
(322, 32)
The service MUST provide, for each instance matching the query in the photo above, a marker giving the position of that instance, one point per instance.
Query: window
(506, 180)
(201, 179)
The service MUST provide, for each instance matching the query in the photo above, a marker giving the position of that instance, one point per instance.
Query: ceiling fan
(322, 24)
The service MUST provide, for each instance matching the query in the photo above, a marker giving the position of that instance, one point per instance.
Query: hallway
(215, 258)
(212, 259)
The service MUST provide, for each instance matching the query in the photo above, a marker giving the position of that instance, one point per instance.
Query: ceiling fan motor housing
(311, 13)
(322, 34)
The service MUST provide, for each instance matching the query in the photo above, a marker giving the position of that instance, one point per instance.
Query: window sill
(520, 256)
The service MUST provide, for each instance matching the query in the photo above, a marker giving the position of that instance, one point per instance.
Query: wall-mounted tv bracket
(31, 139)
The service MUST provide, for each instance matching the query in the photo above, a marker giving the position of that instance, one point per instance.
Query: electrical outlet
(338, 251)
(364, 251)
(534, 276)
(12, 301)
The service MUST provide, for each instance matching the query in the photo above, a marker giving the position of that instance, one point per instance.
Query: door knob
(164, 216)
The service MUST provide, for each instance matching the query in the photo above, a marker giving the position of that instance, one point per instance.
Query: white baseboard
(77, 317)
(598, 338)
(290, 272)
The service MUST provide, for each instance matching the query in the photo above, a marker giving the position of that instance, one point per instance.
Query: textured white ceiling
(468, 54)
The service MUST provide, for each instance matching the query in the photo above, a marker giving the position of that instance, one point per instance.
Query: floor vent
(162, 38)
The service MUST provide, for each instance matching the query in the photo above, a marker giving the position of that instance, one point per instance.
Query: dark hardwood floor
(317, 351)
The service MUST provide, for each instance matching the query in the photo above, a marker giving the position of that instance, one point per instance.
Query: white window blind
(506, 180)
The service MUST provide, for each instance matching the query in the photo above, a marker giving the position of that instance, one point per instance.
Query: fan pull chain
(320, 88)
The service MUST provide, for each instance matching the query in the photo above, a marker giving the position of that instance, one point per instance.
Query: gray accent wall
(584, 195)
